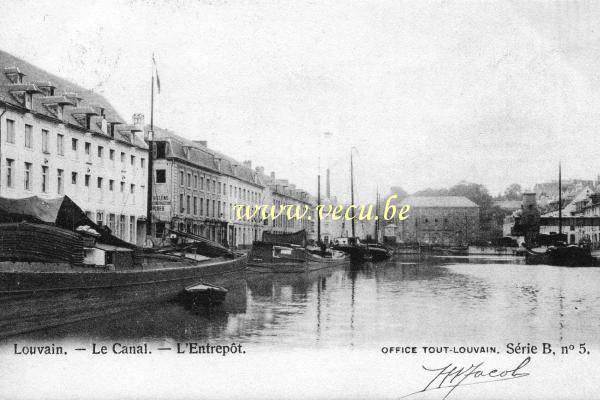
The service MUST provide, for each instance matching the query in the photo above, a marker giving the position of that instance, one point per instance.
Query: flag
(156, 73)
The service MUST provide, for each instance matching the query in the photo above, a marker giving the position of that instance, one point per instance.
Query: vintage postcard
(213, 199)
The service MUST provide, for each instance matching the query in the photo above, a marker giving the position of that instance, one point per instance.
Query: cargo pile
(40, 243)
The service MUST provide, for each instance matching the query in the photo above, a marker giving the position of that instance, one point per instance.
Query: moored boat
(286, 258)
(60, 267)
(203, 294)
(566, 256)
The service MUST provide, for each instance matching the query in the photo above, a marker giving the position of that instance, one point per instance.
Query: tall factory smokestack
(328, 185)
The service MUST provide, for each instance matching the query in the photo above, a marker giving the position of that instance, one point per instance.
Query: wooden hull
(296, 267)
(570, 256)
(34, 300)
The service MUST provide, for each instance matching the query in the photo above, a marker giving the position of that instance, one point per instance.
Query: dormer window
(28, 101)
(23, 93)
(83, 115)
(55, 104)
(46, 87)
(14, 75)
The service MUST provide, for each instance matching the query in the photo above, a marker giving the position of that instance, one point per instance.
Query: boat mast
(377, 216)
(150, 163)
(318, 203)
(559, 200)
(352, 191)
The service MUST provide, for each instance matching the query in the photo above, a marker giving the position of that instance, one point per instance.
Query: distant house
(443, 220)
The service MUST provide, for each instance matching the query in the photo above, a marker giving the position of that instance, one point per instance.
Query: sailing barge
(57, 267)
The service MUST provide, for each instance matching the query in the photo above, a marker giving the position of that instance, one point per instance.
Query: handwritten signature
(450, 377)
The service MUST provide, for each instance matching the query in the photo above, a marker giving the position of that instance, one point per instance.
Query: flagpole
(150, 159)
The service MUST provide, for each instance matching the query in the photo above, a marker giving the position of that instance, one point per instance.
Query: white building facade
(55, 142)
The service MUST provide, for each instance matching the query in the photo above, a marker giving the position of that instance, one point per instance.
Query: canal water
(487, 301)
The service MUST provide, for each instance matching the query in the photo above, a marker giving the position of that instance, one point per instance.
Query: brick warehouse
(443, 220)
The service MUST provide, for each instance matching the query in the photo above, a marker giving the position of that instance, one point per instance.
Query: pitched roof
(36, 77)
(201, 156)
(439, 201)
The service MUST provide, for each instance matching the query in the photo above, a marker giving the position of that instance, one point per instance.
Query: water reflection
(437, 300)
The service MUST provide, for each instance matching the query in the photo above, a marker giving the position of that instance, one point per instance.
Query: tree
(513, 192)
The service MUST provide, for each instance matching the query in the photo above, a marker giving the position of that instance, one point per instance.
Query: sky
(428, 93)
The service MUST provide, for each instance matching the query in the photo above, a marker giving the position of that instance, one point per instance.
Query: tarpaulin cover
(61, 212)
(299, 238)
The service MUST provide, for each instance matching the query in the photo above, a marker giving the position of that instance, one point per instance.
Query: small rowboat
(203, 294)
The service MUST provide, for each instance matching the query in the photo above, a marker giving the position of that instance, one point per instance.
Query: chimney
(200, 143)
(529, 201)
(272, 175)
(328, 185)
(247, 164)
(138, 120)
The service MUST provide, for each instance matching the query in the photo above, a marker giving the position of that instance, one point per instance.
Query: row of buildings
(580, 217)
(57, 138)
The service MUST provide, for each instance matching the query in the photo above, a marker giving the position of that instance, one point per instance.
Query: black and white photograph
(235, 199)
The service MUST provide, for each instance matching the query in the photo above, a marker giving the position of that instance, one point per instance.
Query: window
(195, 181)
(181, 210)
(44, 179)
(195, 205)
(214, 186)
(60, 149)
(27, 177)
(187, 204)
(45, 140)
(111, 154)
(122, 158)
(9, 172)
(59, 181)
(111, 222)
(132, 160)
(10, 131)
(189, 180)
(201, 183)
(143, 162)
(74, 178)
(28, 100)
(122, 187)
(161, 176)
(99, 182)
(201, 205)
(161, 150)
(87, 180)
(207, 207)
(219, 187)
(181, 178)
(132, 229)
(160, 229)
(74, 144)
(132, 188)
(28, 136)
(100, 218)
(111, 185)
(88, 147)
(100, 151)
